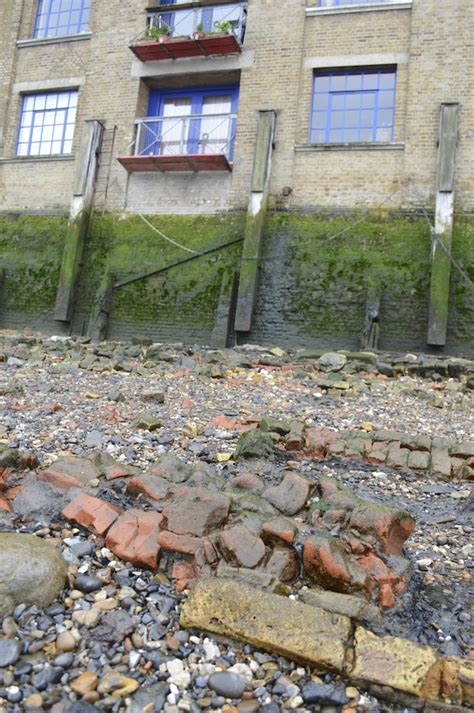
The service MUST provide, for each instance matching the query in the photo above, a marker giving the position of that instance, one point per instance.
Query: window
(196, 121)
(353, 105)
(47, 124)
(336, 3)
(61, 17)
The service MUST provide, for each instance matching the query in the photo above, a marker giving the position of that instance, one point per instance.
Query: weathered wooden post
(443, 229)
(256, 213)
(223, 320)
(99, 318)
(79, 218)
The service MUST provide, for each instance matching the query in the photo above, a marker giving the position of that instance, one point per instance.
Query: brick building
(366, 96)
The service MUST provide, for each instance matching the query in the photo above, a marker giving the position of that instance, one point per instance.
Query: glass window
(55, 18)
(47, 124)
(353, 105)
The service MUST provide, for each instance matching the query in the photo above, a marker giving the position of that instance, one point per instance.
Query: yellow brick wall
(433, 45)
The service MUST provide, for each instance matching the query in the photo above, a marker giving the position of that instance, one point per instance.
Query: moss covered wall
(178, 304)
(317, 269)
(30, 255)
(312, 287)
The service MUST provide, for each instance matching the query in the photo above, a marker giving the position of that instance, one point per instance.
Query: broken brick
(291, 495)
(150, 485)
(70, 472)
(279, 530)
(239, 545)
(282, 564)
(95, 514)
(440, 462)
(134, 537)
(185, 544)
(184, 575)
(391, 527)
(326, 563)
(196, 511)
(4, 504)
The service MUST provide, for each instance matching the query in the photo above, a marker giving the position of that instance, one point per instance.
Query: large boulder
(31, 571)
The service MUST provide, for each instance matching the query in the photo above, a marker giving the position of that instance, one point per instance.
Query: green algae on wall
(179, 301)
(317, 269)
(312, 286)
(30, 253)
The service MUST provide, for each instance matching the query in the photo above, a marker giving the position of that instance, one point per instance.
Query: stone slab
(397, 663)
(269, 621)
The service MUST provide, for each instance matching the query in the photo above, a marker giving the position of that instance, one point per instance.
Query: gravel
(121, 624)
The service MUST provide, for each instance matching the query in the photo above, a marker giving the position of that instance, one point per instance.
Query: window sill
(308, 148)
(338, 9)
(39, 159)
(33, 42)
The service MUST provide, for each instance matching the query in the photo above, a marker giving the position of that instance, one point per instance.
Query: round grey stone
(227, 684)
(10, 650)
(332, 361)
(31, 571)
(87, 584)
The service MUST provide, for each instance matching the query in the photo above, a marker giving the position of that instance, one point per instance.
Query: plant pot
(163, 38)
(199, 35)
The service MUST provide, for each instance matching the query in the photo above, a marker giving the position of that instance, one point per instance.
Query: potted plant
(224, 27)
(163, 32)
(199, 33)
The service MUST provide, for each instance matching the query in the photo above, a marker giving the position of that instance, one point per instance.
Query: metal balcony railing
(205, 134)
(208, 19)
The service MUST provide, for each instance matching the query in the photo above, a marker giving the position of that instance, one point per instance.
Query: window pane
(385, 117)
(366, 118)
(319, 120)
(386, 99)
(352, 118)
(338, 83)
(336, 136)
(365, 135)
(338, 101)
(318, 137)
(384, 135)
(351, 135)
(320, 101)
(370, 81)
(354, 81)
(321, 84)
(368, 100)
(387, 80)
(353, 101)
(337, 120)
(47, 124)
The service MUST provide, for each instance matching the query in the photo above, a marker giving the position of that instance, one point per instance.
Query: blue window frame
(47, 124)
(200, 120)
(353, 105)
(55, 18)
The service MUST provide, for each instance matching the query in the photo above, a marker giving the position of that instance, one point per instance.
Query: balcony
(192, 32)
(203, 142)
